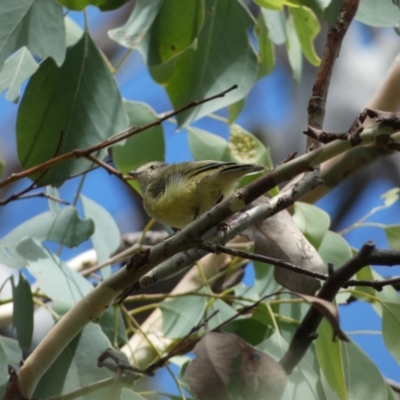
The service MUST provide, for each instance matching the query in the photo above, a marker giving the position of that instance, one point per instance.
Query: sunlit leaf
(277, 4)
(293, 47)
(390, 197)
(307, 28)
(266, 49)
(334, 249)
(276, 24)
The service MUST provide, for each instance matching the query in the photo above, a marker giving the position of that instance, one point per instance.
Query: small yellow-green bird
(176, 194)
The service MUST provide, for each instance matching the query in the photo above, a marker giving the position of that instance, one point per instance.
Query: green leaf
(181, 315)
(2, 166)
(264, 279)
(294, 49)
(266, 49)
(104, 5)
(334, 249)
(249, 329)
(138, 24)
(393, 236)
(366, 274)
(20, 66)
(365, 383)
(235, 109)
(207, 146)
(106, 237)
(54, 278)
(79, 106)
(112, 324)
(303, 382)
(330, 359)
(174, 30)
(275, 22)
(305, 217)
(391, 327)
(54, 206)
(10, 354)
(73, 30)
(332, 11)
(390, 197)
(221, 310)
(381, 13)
(129, 394)
(307, 28)
(76, 367)
(277, 4)
(146, 146)
(36, 24)
(246, 148)
(222, 58)
(23, 311)
(64, 227)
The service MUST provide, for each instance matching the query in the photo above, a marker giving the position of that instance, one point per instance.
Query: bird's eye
(153, 167)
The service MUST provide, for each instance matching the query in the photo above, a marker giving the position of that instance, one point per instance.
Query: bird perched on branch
(176, 194)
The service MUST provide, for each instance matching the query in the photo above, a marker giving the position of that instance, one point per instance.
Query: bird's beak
(133, 174)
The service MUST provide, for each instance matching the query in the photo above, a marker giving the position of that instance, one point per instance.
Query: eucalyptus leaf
(104, 5)
(36, 24)
(393, 236)
(64, 227)
(334, 249)
(305, 216)
(79, 106)
(10, 354)
(293, 48)
(54, 278)
(330, 358)
(128, 394)
(179, 317)
(76, 367)
(275, 22)
(382, 13)
(236, 108)
(207, 146)
(223, 57)
(174, 30)
(19, 67)
(391, 196)
(221, 310)
(138, 24)
(307, 28)
(266, 49)
(73, 30)
(391, 327)
(106, 237)
(23, 311)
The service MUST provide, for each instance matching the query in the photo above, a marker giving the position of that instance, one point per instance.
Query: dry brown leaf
(329, 311)
(279, 237)
(227, 368)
